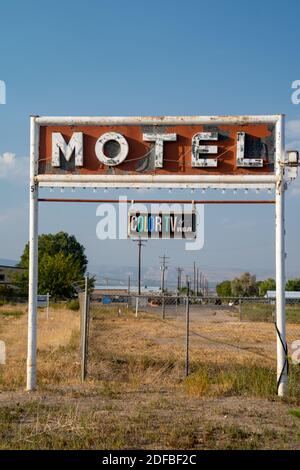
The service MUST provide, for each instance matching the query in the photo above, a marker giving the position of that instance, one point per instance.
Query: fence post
(163, 307)
(136, 306)
(241, 309)
(187, 333)
(84, 335)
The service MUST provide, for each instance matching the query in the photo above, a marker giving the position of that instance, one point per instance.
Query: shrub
(73, 305)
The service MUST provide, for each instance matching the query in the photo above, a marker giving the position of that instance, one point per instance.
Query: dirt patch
(145, 419)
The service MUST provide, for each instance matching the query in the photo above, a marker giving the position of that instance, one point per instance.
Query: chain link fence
(192, 311)
(179, 307)
(244, 308)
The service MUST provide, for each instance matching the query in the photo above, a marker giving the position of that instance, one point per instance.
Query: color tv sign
(156, 225)
(155, 151)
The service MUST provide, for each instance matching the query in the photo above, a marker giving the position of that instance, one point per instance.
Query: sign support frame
(159, 181)
(280, 255)
(33, 258)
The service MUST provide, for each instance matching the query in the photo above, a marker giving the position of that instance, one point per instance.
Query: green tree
(62, 262)
(244, 286)
(293, 285)
(264, 286)
(183, 291)
(7, 292)
(224, 289)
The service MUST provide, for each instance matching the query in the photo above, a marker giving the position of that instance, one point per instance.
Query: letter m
(59, 146)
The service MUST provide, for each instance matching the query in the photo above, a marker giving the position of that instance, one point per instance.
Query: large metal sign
(180, 152)
(157, 151)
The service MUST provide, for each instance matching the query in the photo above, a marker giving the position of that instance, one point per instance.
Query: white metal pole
(33, 258)
(85, 330)
(154, 120)
(48, 302)
(187, 331)
(280, 262)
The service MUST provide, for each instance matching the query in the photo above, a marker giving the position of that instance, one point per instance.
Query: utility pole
(179, 272)
(194, 277)
(106, 281)
(163, 267)
(140, 244)
(128, 288)
(128, 291)
(197, 283)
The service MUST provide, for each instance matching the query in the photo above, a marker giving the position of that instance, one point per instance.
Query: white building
(289, 295)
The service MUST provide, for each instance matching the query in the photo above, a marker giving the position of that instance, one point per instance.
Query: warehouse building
(7, 274)
(289, 295)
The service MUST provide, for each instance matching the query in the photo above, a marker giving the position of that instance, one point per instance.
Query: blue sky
(135, 58)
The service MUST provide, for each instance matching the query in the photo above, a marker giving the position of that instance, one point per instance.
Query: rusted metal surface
(142, 156)
(159, 120)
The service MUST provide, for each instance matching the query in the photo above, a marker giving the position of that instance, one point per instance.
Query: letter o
(151, 224)
(122, 153)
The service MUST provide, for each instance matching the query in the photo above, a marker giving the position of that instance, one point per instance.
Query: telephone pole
(163, 267)
(140, 244)
(179, 272)
(128, 289)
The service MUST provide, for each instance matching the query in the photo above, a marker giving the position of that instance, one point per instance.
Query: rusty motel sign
(160, 152)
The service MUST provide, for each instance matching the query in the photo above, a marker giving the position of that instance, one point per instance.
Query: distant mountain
(8, 262)
(151, 275)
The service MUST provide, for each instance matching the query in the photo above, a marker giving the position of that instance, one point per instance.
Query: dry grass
(217, 343)
(228, 359)
(136, 395)
(53, 333)
(265, 312)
